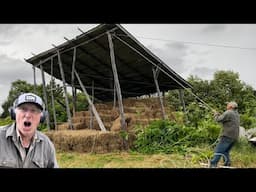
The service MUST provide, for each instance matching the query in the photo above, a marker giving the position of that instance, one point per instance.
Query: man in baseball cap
(21, 144)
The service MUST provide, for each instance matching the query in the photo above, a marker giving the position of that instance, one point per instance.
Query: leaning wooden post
(102, 127)
(117, 85)
(91, 113)
(114, 91)
(65, 91)
(45, 97)
(158, 92)
(73, 82)
(52, 98)
(181, 95)
(34, 75)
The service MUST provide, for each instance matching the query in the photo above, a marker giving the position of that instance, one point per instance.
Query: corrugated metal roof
(133, 60)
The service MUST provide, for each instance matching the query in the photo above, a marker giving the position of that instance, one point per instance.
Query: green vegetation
(224, 87)
(5, 121)
(243, 156)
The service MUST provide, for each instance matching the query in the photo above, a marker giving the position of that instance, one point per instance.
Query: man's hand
(215, 113)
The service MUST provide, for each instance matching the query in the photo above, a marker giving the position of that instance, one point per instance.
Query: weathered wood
(73, 82)
(91, 113)
(34, 75)
(52, 98)
(65, 91)
(117, 85)
(114, 92)
(181, 95)
(45, 97)
(155, 75)
(101, 125)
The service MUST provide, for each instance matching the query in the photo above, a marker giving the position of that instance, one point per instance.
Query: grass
(123, 160)
(243, 155)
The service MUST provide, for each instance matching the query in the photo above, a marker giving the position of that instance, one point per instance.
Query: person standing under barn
(21, 144)
(230, 120)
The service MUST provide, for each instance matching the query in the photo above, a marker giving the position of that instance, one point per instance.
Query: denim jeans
(222, 150)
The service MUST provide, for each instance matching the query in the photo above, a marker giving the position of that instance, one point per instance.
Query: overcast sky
(189, 49)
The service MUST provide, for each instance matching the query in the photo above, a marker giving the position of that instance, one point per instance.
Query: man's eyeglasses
(32, 110)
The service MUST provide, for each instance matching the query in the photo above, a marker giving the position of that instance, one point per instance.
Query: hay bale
(79, 119)
(77, 126)
(79, 114)
(88, 141)
(64, 126)
(116, 126)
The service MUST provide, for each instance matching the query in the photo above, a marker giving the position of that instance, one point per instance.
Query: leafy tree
(20, 86)
(17, 87)
(225, 86)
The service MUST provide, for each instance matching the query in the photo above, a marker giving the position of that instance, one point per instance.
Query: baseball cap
(29, 98)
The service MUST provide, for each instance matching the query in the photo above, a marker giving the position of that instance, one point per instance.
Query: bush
(6, 121)
(163, 136)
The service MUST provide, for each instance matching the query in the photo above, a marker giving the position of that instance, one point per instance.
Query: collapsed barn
(107, 64)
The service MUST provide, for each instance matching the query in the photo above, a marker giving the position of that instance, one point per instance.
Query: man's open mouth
(27, 123)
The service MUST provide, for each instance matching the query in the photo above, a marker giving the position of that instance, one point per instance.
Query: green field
(243, 156)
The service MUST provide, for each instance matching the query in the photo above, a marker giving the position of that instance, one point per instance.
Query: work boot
(213, 165)
(228, 164)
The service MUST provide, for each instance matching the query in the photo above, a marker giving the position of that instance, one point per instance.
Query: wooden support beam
(102, 127)
(45, 97)
(117, 85)
(155, 74)
(73, 82)
(34, 76)
(114, 93)
(181, 95)
(52, 98)
(65, 91)
(91, 112)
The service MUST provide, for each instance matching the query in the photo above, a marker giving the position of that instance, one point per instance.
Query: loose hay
(88, 141)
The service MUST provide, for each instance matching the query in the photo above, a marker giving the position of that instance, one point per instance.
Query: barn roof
(134, 64)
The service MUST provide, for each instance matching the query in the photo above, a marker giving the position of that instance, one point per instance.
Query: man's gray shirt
(231, 121)
(41, 153)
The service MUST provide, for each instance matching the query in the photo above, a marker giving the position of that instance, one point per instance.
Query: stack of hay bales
(138, 112)
(88, 141)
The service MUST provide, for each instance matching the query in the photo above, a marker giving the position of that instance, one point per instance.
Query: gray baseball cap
(29, 98)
